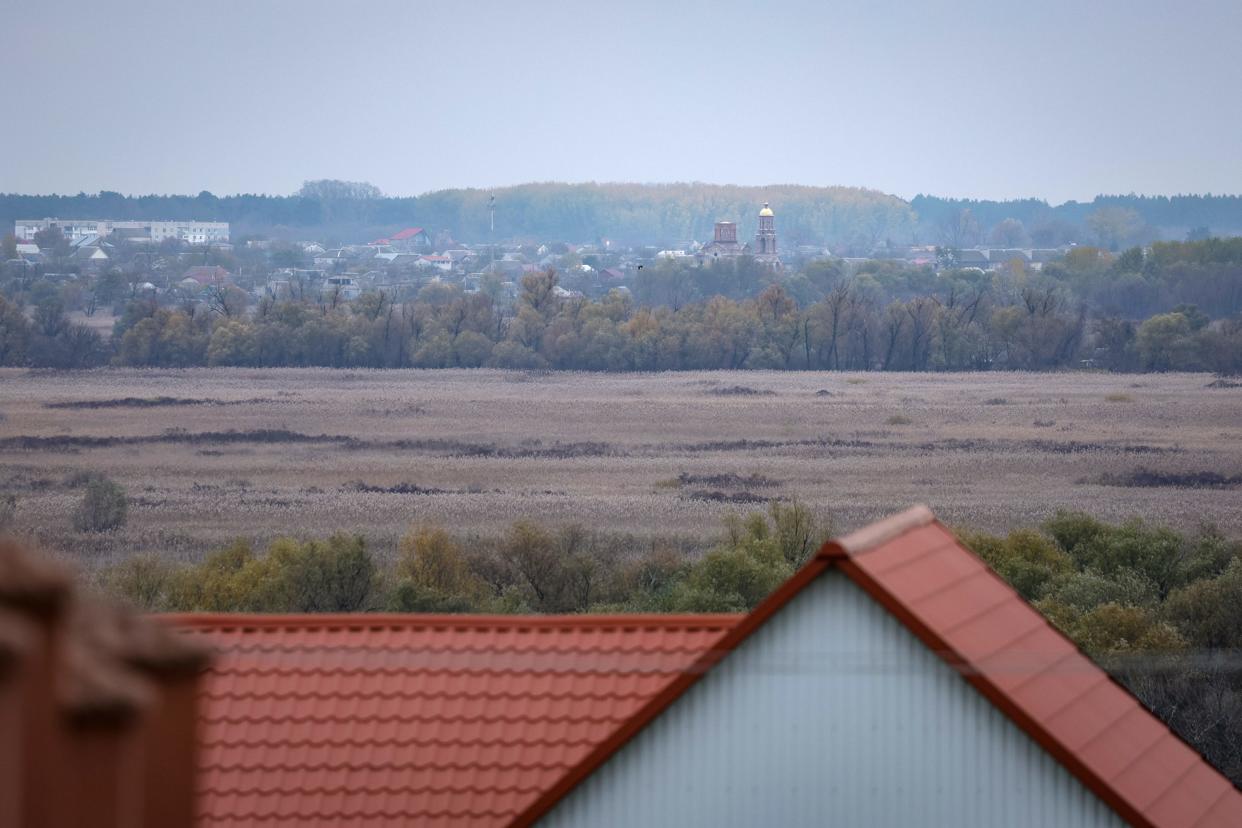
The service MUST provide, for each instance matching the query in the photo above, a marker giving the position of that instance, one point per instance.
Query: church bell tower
(765, 238)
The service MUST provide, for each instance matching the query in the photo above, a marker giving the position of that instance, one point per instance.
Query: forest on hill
(853, 219)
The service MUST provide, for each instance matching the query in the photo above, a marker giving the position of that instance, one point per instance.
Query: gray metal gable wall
(832, 713)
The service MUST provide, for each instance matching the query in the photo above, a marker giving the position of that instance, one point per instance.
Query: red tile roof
(492, 720)
(420, 719)
(207, 274)
(407, 233)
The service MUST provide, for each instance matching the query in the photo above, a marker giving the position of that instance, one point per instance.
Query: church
(726, 246)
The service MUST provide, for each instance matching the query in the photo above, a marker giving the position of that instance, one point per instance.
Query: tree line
(852, 218)
(1175, 306)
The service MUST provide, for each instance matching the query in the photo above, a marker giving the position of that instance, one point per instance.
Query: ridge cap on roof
(876, 534)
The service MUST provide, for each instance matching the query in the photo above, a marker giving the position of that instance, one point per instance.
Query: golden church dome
(766, 211)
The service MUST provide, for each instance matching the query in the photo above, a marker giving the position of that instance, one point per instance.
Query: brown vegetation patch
(1044, 446)
(152, 402)
(404, 488)
(753, 445)
(1153, 478)
(741, 498)
(741, 391)
(728, 480)
(459, 448)
(26, 479)
(76, 442)
(175, 436)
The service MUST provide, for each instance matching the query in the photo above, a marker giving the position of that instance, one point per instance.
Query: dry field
(256, 453)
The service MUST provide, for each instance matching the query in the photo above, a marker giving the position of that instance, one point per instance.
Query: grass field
(208, 455)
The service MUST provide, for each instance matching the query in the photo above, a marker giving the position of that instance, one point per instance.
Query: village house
(893, 680)
(409, 240)
(207, 275)
(340, 288)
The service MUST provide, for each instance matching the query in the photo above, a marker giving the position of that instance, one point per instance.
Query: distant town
(181, 259)
(344, 289)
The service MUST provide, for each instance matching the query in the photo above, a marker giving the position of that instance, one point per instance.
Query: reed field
(209, 455)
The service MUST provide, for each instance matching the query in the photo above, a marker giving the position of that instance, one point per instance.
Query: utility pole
(491, 235)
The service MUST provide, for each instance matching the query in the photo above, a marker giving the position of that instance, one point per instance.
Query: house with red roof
(893, 680)
(207, 275)
(409, 240)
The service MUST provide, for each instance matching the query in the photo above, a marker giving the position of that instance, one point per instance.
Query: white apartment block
(191, 232)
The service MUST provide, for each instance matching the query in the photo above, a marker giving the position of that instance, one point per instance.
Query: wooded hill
(853, 219)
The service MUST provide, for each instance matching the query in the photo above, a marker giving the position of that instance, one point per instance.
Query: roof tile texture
(424, 720)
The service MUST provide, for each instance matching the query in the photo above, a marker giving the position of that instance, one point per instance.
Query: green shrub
(1112, 628)
(336, 575)
(218, 584)
(1029, 560)
(434, 576)
(104, 507)
(1209, 612)
(407, 596)
(1074, 529)
(737, 574)
(1089, 589)
(796, 532)
(544, 571)
(143, 581)
(1208, 555)
(732, 579)
(1156, 552)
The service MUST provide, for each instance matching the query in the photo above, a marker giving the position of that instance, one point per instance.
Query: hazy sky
(996, 99)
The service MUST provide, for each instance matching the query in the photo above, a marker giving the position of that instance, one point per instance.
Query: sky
(1002, 99)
